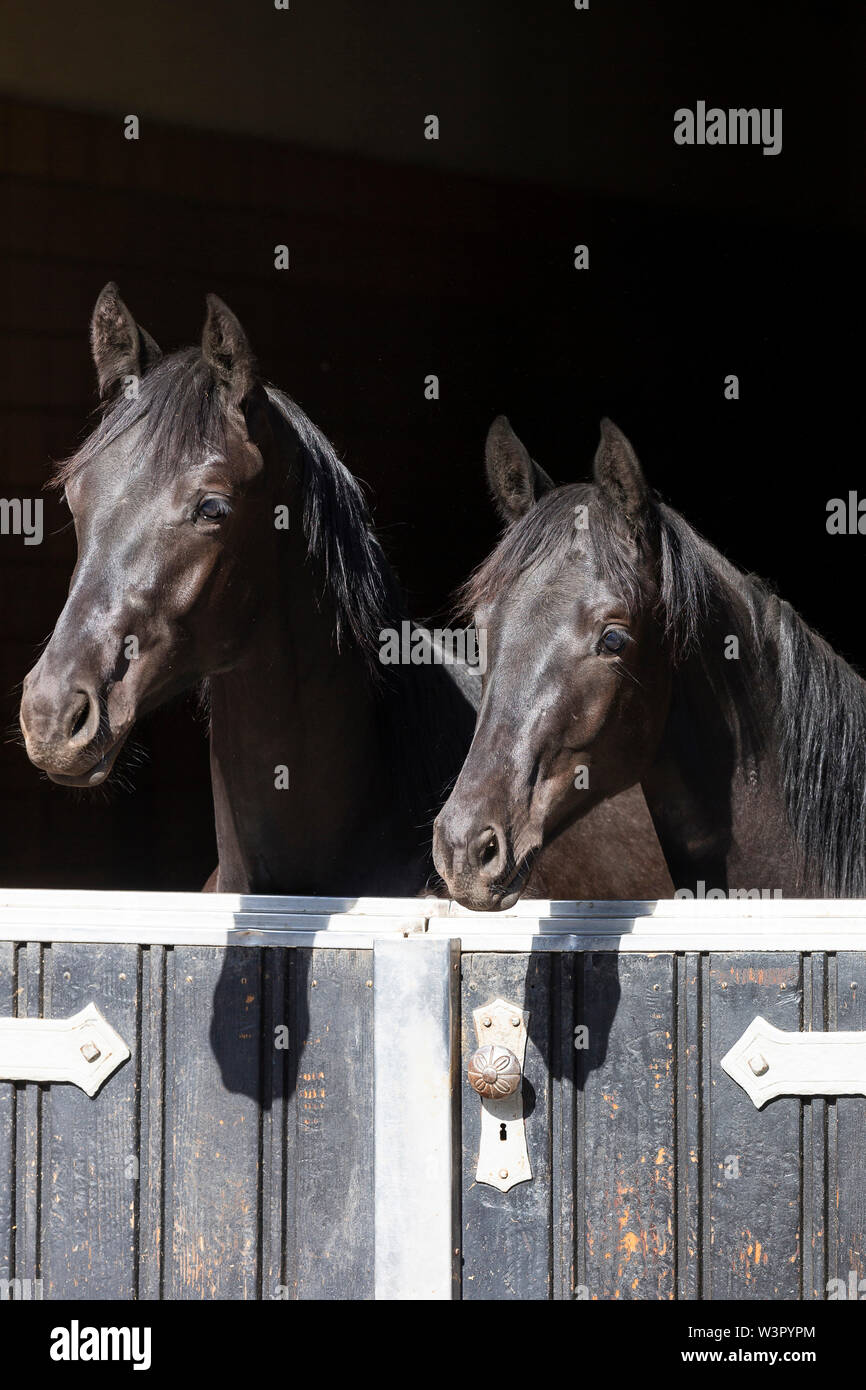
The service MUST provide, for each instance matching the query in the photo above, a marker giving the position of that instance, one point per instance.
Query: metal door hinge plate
(503, 1160)
(768, 1062)
(83, 1050)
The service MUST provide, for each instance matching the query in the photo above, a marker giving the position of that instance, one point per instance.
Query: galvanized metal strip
(172, 919)
(131, 925)
(651, 936)
(235, 904)
(207, 904)
(417, 1118)
(708, 909)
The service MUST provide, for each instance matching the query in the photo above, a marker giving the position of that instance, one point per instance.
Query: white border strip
(224, 919)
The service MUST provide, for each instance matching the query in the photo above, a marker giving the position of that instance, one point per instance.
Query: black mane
(340, 536)
(179, 406)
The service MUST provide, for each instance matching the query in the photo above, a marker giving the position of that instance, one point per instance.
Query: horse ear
(227, 351)
(516, 482)
(120, 348)
(618, 473)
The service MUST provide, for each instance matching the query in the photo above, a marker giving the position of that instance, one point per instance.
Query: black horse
(622, 649)
(220, 539)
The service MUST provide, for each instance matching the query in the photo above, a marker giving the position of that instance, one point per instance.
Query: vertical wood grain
(629, 1130)
(213, 1085)
(753, 1238)
(331, 1160)
(508, 1236)
(89, 1162)
(29, 1210)
(151, 1072)
(7, 1123)
(847, 1134)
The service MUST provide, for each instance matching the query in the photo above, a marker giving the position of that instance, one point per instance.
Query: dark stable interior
(410, 257)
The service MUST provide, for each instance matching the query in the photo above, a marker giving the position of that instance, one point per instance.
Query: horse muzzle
(479, 865)
(65, 734)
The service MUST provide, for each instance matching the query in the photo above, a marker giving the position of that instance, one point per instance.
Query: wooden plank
(331, 1157)
(28, 1127)
(89, 1159)
(7, 1124)
(276, 1119)
(813, 1120)
(752, 1241)
(563, 1123)
(832, 1212)
(507, 1236)
(580, 1073)
(629, 1130)
(213, 1089)
(688, 1117)
(847, 1136)
(706, 1068)
(151, 1120)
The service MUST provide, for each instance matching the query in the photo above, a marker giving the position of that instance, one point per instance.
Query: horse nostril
(486, 852)
(79, 722)
(79, 716)
(489, 851)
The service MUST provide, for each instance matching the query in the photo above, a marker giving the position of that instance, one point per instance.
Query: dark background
(408, 257)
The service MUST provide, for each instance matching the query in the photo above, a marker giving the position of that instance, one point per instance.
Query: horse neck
(715, 791)
(302, 785)
(281, 795)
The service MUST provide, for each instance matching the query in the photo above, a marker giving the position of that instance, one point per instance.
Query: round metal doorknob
(494, 1071)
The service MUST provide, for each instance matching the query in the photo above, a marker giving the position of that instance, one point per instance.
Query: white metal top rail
(227, 919)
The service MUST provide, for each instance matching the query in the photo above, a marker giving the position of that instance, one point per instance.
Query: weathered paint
(217, 1164)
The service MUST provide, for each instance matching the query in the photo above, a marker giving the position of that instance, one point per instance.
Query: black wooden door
(232, 1156)
(229, 1158)
(654, 1175)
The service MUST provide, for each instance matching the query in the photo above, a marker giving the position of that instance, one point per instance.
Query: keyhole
(502, 1133)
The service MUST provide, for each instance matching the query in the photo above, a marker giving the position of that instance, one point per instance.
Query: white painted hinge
(768, 1062)
(83, 1050)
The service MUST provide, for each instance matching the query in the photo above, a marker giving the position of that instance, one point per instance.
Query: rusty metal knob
(494, 1071)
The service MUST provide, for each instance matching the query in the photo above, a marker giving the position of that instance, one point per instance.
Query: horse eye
(614, 639)
(213, 508)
